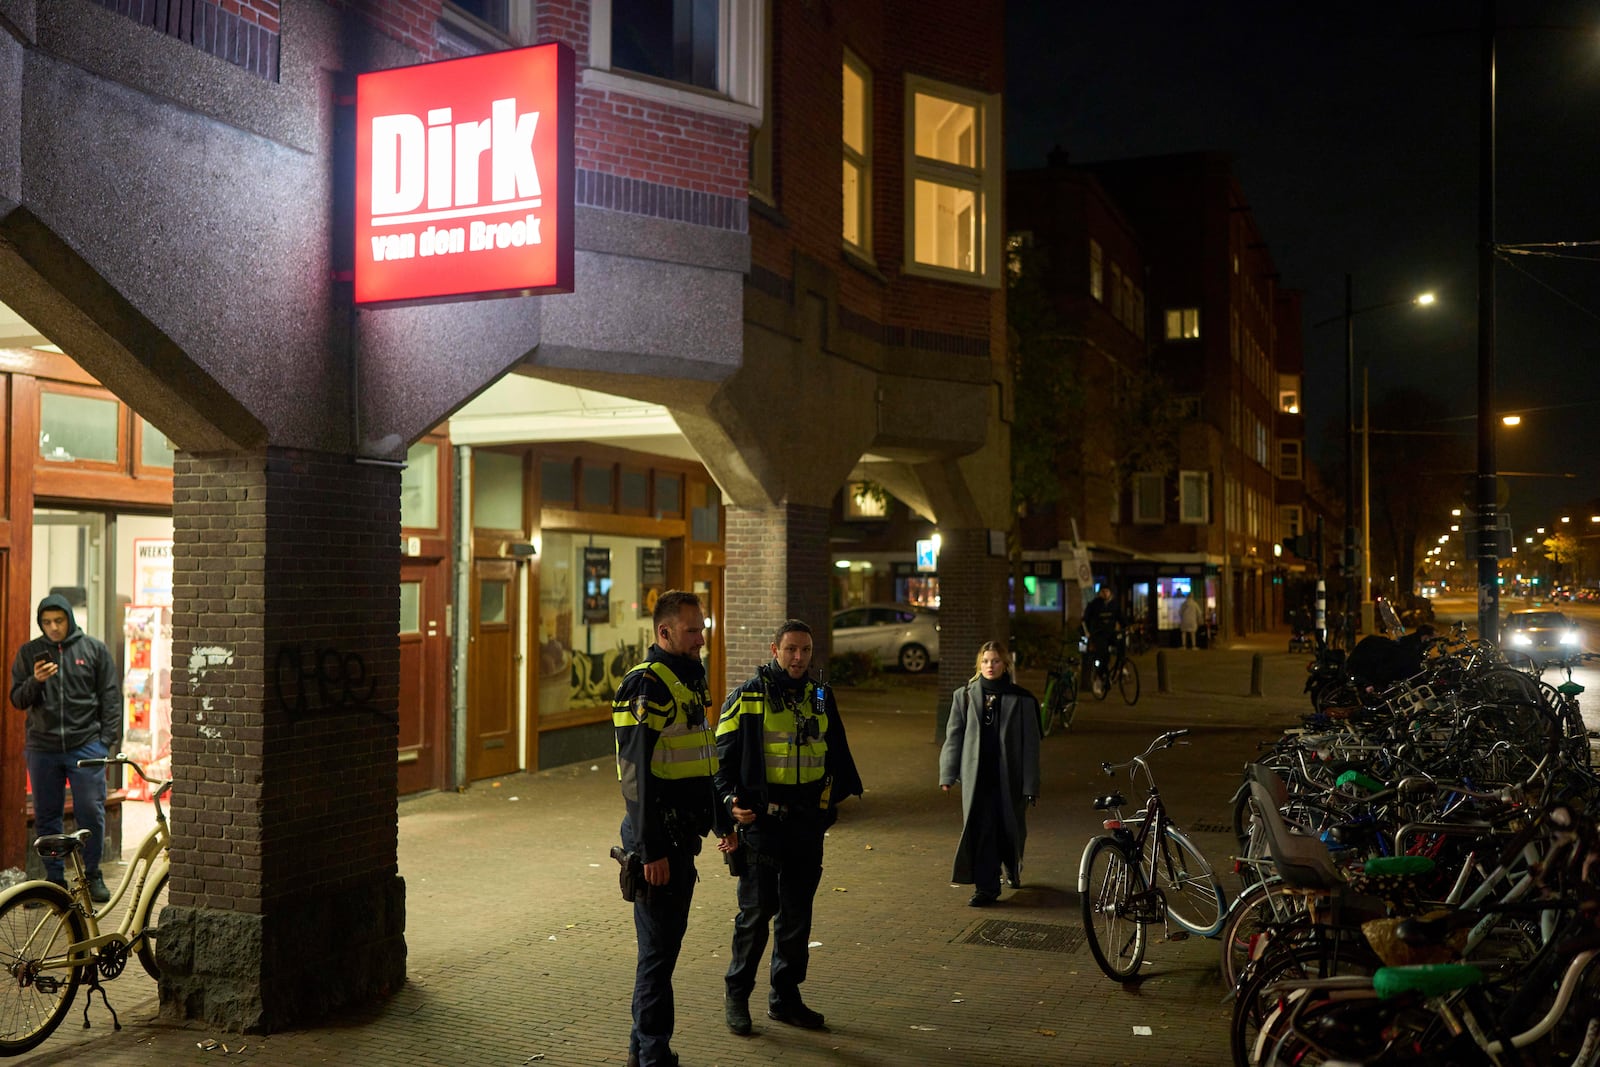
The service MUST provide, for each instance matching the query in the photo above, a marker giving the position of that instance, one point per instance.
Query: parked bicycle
(1060, 701)
(1143, 871)
(51, 941)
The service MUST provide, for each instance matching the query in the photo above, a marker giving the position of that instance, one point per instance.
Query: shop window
(598, 487)
(952, 155)
(857, 154)
(556, 483)
(78, 429)
(705, 522)
(633, 491)
(419, 487)
(497, 491)
(155, 451)
(669, 494)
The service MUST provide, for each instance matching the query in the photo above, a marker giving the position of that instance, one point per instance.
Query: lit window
(1183, 324)
(1147, 503)
(1015, 244)
(419, 487)
(865, 501)
(952, 188)
(1289, 520)
(857, 154)
(78, 428)
(1194, 497)
(1097, 278)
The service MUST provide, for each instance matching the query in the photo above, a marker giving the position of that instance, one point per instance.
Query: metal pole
(1488, 553)
(1348, 560)
(1368, 620)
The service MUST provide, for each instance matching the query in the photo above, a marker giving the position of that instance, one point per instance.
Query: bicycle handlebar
(1166, 740)
(123, 759)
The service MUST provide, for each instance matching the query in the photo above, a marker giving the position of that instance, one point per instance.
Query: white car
(897, 634)
(1546, 636)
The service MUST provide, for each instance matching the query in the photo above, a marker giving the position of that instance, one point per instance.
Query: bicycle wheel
(151, 920)
(1047, 707)
(1107, 882)
(37, 926)
(1099, 681)
(1305, 953)
(1069, 700)
(1195, 898)
(1256, 908)
(1128, 681)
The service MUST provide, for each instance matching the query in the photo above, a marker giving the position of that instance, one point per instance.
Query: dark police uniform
(665, 756)
(782, 752)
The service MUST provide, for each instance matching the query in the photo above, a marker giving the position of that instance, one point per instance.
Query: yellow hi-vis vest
(682, 751)
(789, 760)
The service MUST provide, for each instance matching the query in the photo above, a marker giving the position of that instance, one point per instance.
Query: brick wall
(285, 690)
(777, 569)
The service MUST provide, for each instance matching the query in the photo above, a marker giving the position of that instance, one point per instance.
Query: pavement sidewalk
(521, 952)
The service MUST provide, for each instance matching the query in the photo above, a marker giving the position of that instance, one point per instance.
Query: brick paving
(520, 951)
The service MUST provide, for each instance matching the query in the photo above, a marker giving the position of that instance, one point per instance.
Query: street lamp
(1358, 597)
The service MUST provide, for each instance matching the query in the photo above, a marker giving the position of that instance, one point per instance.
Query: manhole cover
(1039, 937)
(1210, 828)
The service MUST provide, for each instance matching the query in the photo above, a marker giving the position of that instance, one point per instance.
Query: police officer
(665, 755)
(783, 768)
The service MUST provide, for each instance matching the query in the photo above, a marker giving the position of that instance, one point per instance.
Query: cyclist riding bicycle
(1104, 625)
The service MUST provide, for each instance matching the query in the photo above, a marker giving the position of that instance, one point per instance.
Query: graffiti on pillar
(202, 662)
(324, 681)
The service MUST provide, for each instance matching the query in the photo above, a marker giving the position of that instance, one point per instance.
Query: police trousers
(778, 887)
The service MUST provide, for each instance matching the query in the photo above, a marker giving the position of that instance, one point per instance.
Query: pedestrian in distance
(68, 685)
(784, 767)
(666, 753)
(991, 746)
(1189, 620)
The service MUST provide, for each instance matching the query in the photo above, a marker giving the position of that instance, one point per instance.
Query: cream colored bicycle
(51, 939)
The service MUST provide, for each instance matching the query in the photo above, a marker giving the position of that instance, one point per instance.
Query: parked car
(1546, 636)
(898, 634)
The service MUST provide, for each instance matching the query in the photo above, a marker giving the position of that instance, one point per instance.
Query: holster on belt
(631, 877)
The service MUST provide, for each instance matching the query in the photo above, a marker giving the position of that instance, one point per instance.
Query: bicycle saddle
(55, 846)
(1110, 800)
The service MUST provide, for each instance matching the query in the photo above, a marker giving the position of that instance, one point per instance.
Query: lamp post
(1487, 549)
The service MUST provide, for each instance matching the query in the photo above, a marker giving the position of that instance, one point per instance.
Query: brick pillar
(777, 569)
(972, 609)
(286, 904)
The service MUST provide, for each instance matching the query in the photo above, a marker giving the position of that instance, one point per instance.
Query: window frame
(1288, 447)
(983, 180)
(124, 433)
(862, 160)
(1190, 482)
(1097, 272)
(1137, 488)
(141, 469)
(1188, 323)
(1291, 521)
(741, 63)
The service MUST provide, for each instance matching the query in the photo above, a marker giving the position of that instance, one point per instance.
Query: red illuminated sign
(464, 178)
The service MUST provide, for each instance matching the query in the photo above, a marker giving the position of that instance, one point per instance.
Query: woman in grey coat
(991, 746)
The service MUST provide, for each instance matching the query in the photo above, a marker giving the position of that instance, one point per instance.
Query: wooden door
(424, 668)
(492, 665)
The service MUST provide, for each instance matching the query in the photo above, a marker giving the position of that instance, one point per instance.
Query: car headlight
(1521, 639)
(1570, 637)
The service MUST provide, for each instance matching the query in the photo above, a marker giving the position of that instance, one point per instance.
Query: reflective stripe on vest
(681, 750)
(788, 761)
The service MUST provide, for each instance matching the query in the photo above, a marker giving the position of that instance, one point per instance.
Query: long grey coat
(1018, 724)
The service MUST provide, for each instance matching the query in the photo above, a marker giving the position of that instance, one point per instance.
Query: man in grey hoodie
(67, 683)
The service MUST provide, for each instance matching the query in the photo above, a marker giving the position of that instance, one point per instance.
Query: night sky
(1354, 129)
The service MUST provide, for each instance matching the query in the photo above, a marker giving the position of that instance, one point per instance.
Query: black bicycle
(1109, 665)
(1060, 701)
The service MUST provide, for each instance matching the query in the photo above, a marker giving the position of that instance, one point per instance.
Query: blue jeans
(660, 919)
(50, 773)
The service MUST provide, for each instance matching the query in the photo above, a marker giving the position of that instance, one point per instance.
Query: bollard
(1256, 664)
(1163, 685)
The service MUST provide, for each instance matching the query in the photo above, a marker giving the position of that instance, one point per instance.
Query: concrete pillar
(777, 569)
(286, 904)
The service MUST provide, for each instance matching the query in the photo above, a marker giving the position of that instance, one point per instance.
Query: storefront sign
(652, 579)
(927, 556)
(596, 586)
(464, 178)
